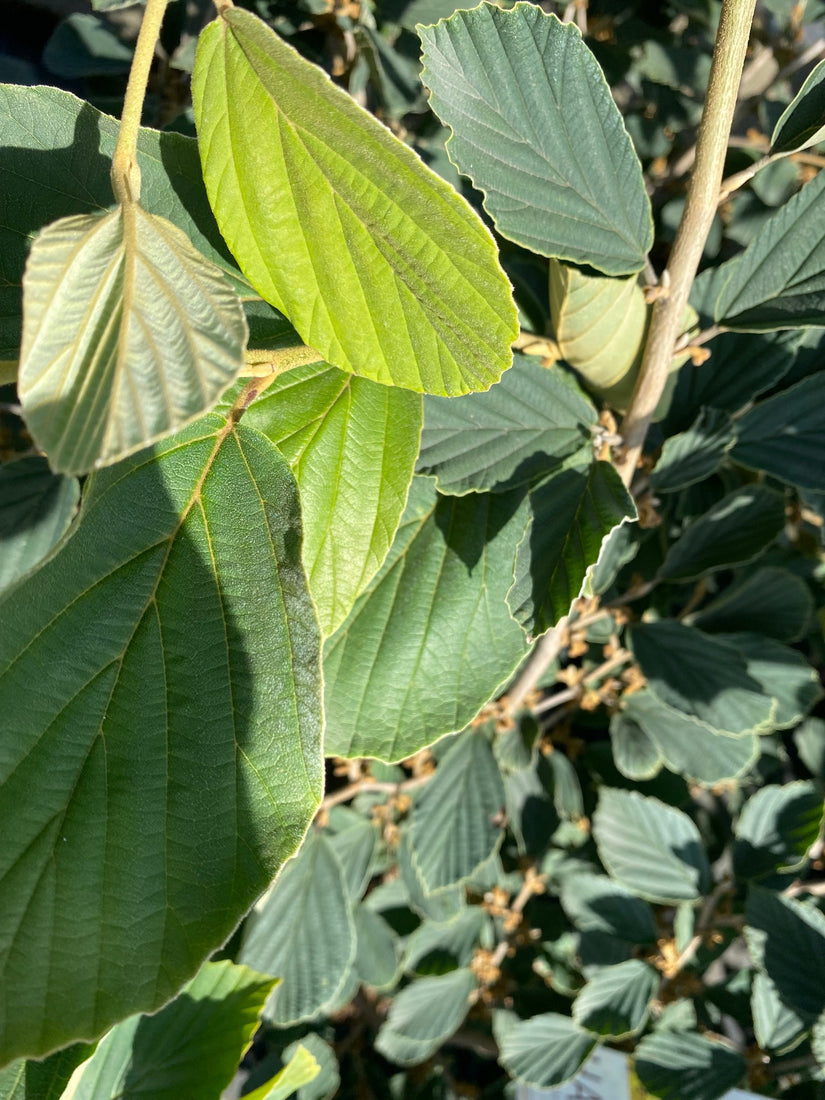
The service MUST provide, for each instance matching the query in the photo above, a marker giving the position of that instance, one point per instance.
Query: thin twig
(699, 212)
(533, 884)
(544, 653)
(371, 786)
(703, 923)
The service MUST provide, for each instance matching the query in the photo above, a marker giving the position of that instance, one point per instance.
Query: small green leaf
(376, 959)
(693, 455)
(688, 746)
(771, 601)
(445, 945)
(779, 280)
(734, 531)
(546, 1050)
(36, 507)
(776, 829)
(455, 824)
(84, 45)
(615, 1002)
(434, 614)
(352, 446)
(300, 1070)
(192, 1047)
(777, 1027)
(802, 123)
(181, 582)
(525, 426)
(303, 930)
(702, 676)
(440, 905)
(325, 1084)
(594, 903)
(128, 334)
(424, 1015)
(783, 674)
(355, 848)
(783, 435)
(678, 1065)
(44, 1079)
(378, 263)
(571, 515)
(536, 128)
(780, 932)
(653, 850)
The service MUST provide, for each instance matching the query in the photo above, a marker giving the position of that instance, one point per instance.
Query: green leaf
(454, 825)
(445, 945)
(783, 674)
(688, 746)
(303, 930)
(520, 428)
(783, 435)
(571, 514)
(615, 1002)
(49, 135)
(695, 454)
(42, 1080)
(802, 123)
(618, 549)
(535, 127)
(734, 531)
(780, 932)
(424, 1015)
(83, 44)
(355, 848)
(651, 849)
(325, 1084)
(441, 905)
(434, 614)
(771, 601)
(192, 1047)
(352, 446)
(776, 1026)
(635, 753)
(701, 676)
(776, 829)
(129, 334)
(36, 508)
(594, 903)
(546, 1050)
(678, 1065)
(779, 280)
(376, 959)
(300, 1071)
(378, 263)
(194, 668)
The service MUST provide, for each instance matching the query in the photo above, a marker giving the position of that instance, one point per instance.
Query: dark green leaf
(434, 614)
(191, 700)
(784, 675)
(695, 454)
(734, 531)
(615, 1002)
(42, 1080)
(36, 507)
(651, 849)
(674, 1065)
(520, 428)
(571, 514)
(781, 932)
(776, 828)
(304, 932)
(535, 127)
(783, 435)
(83, 44)
(771, 601)
(594, 903)
(776, 1026)
(802, 123)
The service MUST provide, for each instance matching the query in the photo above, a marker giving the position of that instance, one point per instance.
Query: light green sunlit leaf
(535, 127)
(303, 930)
(300, 1071)
(378, 263)
(652, 849)
(434, 614)
(128, 334)
(177, 755)
(192, 1047)
(352, 446)
(36, 507)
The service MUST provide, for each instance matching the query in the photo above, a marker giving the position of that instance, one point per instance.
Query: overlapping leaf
(694, 454)
(525, 426)
(681, 1065)
(770, 601)
(424, 1015)
(535, 127)
(36, 507)
(434, 614)
(776, 829)
(777, 1027)
(780, 931)
(303, 930)
(128, 335)
(352, 445)
(176, 755)
(783, 435)
(802, 123)
(378, 263)
(615, 1002)
(546, 1050)
(192, 1047)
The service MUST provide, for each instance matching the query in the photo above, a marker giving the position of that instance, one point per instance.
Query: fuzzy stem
(700, 208)
(125, 171)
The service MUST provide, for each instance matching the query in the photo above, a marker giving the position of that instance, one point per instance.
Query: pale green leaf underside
(352, 446)
(424, 1015)
(430, 640)
(304, 931)
(535, 127)
(174, 739)
(546, 1050)
(190, 1048)
(128, 334)
(615, 1001)
(379, 264)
